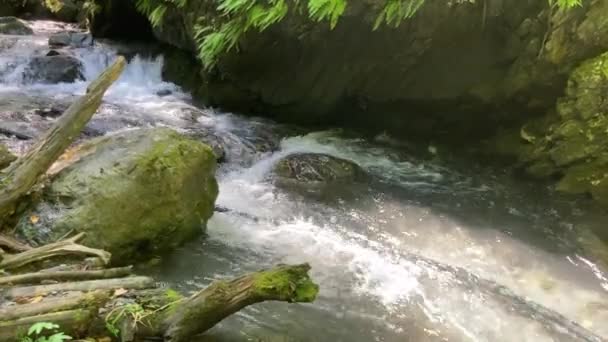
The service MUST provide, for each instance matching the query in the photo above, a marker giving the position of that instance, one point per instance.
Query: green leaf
(37, 328)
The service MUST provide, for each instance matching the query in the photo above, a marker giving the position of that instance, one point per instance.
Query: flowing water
(433, 248)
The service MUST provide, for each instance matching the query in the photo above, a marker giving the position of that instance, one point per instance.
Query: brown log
(69, 302)
(22, 175)
(64, 247)
(83, 286)
(12, 244)
(37, 277)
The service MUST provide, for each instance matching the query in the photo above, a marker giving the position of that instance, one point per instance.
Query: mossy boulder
(136, 194)
(14, 26)
(572, 141)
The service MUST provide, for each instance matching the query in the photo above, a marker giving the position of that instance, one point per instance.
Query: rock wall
(458, 72)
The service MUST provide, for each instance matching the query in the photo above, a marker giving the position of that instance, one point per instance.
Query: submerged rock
(72, 39)
(135, 194)
(12, 25)
(315, 168)
(53, 69)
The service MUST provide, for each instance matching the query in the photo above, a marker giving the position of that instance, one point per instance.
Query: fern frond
(330, 10)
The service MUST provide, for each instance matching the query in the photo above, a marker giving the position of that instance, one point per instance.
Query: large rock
(12, 25)
(53, 69)
(135, 194)
(72, 39)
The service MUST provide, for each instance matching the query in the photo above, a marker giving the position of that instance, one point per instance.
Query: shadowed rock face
(136, 193)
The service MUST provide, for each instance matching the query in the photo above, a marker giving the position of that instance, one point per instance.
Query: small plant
(39, 331)
(133, 311)
(236, 17)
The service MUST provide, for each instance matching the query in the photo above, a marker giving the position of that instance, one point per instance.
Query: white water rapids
(431, 250)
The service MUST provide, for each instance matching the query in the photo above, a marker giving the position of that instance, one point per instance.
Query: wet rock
(12, 25)
(17, 129)
(164, 92)
(135, 194)
(214, 141)
(572, 142)
(311, 168)
(53, 69)
(49, 112)
(53, 53)
(6, 157)
(71, 39)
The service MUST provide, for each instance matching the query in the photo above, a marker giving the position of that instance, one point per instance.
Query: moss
(292, 284)
(172, 295)
(138, 194)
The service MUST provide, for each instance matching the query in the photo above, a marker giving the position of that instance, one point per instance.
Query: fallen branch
(12, 244)
(83, 286)
(201, 312)
(73, 301)
(23, 174)
(37, 277)
(64, 247)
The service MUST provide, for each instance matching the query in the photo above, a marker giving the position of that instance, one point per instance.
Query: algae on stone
(135, 194)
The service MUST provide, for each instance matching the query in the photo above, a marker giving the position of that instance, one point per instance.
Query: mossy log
(18, 179)
(159, 314)
(221, 299)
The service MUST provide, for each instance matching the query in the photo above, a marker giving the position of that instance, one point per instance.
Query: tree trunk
(22, 175)
(159, 314)
(64, 247)
(221, 299)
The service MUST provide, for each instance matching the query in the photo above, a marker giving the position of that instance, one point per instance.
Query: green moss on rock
(291, 283)
(135, 194)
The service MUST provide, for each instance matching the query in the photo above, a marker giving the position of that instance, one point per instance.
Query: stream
(432, 248)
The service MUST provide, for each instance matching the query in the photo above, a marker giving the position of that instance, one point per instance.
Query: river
(433, 248)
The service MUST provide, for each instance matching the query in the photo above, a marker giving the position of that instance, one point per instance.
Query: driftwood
(64, 247)
(12, 244)
(37, 277)
(69, 302)
(22, 175)
(89, 285)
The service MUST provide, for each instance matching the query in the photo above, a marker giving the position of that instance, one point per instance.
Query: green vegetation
(241, 16)
(39, 331)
